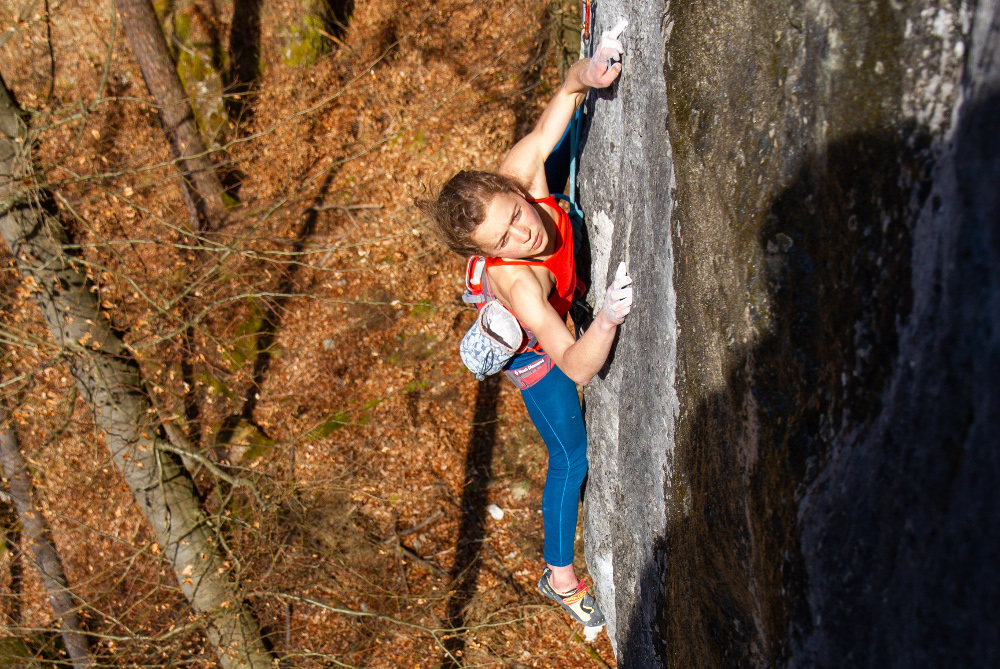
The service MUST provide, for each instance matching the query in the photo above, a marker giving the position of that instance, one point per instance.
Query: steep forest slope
(793, 453)
(303, 342)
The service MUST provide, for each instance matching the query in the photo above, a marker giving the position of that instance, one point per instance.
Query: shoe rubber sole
(587, 602)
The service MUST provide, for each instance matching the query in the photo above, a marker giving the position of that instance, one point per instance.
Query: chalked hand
(618, 298)
(605, 65)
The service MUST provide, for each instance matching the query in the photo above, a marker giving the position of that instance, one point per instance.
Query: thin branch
(345, 207)
(180, 445)
(405, 623)
(21, 17)
(433, 518)
(107, 61)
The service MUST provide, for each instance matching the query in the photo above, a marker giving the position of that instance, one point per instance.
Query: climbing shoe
(577, 601)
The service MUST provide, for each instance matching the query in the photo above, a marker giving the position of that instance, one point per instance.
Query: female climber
(510, 217)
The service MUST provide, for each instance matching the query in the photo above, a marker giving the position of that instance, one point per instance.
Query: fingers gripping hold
(617, 30)
(605, 65)
(622, 271)
(618, 298)
(610, 49)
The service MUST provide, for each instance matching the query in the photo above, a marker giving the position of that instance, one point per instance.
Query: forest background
(284, 332)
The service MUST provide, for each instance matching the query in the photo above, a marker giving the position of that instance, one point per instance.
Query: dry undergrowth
(308, 344)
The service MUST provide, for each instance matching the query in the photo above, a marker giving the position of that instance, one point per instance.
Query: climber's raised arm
(526, 160)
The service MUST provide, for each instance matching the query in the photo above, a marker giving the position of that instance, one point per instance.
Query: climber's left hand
(605, 65)
(526, 160)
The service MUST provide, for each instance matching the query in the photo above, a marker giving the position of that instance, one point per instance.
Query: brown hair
(461, 206)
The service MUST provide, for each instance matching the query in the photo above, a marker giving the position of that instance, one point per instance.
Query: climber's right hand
(618, 298)
(605, 65)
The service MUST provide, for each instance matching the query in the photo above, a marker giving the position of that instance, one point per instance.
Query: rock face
(793, 450)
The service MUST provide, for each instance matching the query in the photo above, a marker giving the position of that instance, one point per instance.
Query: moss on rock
(308, 40)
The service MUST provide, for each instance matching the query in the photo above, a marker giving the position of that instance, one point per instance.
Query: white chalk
(622, 270)
(590, 633)
(495, 511)
(617, 30)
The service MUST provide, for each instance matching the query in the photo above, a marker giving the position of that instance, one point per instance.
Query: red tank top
(560, 263)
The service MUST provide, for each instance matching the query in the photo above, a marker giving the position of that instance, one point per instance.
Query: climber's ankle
(563, 579)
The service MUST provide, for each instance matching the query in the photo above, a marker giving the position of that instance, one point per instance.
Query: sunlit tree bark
(159, 71)
(38, 541)
(107, 377)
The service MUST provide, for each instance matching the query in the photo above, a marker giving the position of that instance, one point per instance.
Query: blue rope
(575, 128)
(574, 149)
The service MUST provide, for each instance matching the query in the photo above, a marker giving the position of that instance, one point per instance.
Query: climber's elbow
(577, 362)
(572, 368)
(581, 377)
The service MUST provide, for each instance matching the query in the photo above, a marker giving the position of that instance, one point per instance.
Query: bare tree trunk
(107, 376)
(160, 74)
(12, 542)
(192, 29)
(37, 539)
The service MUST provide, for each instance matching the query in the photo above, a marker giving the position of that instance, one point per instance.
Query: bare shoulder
(513, 283)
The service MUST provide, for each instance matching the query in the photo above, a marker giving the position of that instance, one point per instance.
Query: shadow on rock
(834, 502)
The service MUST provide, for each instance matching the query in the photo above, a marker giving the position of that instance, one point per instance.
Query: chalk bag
(491, 341)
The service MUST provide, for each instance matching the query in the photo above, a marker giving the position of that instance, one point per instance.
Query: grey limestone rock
(793, 448)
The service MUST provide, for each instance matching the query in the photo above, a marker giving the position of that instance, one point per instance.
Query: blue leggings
(554, 408)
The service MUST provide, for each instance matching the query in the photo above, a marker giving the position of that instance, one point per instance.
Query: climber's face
(512, 229)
